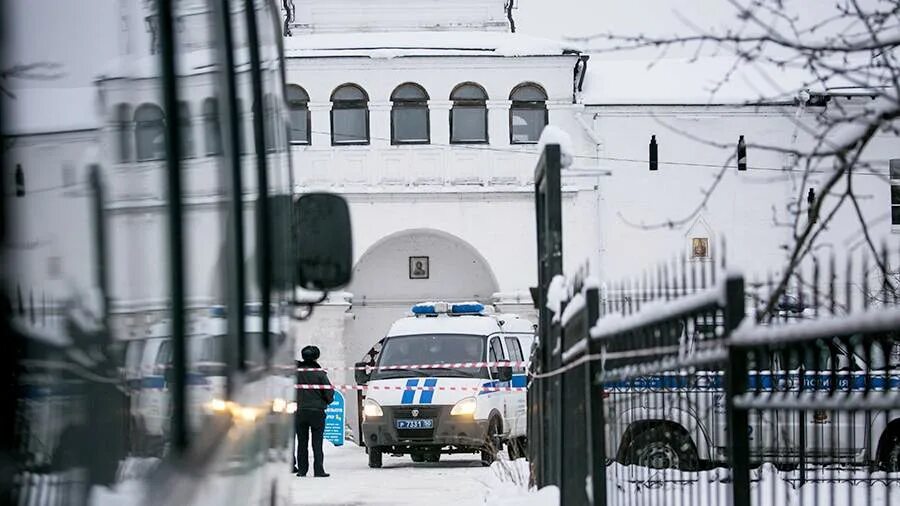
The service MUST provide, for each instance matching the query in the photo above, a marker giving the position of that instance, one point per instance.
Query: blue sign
(334, 420)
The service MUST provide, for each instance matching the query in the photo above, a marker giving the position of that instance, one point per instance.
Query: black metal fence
(655, 374)
(689, 386)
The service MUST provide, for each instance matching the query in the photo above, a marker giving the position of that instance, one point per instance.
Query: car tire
(432, 457)
(492, 444)
(889, 460)
(374, 457)
(417, 457)
(663, 447)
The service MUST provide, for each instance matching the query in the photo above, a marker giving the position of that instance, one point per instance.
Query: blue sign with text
(334, 420)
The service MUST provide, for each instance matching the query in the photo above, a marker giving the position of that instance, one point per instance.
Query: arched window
(212, 129)
(468, 117)
(409, 115)
(298, 105)
(150, 133)
(245, 146)
(527, 113)
(123, 132)
(187, 133)
(349, 115)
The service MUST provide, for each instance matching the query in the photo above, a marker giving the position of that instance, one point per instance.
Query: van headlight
(371, 409)
(464, 407)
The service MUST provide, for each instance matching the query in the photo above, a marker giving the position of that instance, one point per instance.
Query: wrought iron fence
(689, 386)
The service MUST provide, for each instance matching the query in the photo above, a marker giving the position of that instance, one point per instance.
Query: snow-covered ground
(768, 487)
(457, 480)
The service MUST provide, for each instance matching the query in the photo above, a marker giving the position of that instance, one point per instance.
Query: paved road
(457, 480)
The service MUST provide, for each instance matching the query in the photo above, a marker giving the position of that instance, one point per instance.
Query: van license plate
(425, 423)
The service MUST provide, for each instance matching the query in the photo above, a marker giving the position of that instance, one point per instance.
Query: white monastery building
(426, 116)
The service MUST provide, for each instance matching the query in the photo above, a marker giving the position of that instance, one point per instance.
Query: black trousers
(306, 422)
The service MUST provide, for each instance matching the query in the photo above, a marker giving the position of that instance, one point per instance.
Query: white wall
(745, 207)
(315, 16)
(47, 244)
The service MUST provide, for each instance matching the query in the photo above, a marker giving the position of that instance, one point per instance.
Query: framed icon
(418, 267)
(700, 247)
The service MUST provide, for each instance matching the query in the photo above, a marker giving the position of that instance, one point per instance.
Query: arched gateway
(408, 267)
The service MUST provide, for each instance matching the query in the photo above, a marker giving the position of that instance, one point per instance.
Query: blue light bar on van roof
(467, 308)
(426, 308)
(435, 308)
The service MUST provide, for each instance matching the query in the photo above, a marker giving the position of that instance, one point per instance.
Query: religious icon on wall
(700, 247)
(418, 267)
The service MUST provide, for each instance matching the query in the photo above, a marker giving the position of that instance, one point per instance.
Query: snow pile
(48, 110)
(822, 486)
(557, 293)
(397, 44)
(707, 80)
(508, 486)
(555, 135)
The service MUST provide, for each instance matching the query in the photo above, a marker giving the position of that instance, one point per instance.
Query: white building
(425, 114)
(418, 188)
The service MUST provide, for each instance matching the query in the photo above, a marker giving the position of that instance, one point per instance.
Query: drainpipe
(578, 74)
(598, 190)
(510, 4)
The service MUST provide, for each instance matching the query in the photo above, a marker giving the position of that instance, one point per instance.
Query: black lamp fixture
(742, 154)
(654, 153)
(20, 181)
(811, 200)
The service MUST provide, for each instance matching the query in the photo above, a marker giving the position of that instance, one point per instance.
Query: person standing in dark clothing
(310, 416)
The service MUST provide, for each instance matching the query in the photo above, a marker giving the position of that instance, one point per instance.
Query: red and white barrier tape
(455, 365)
(404, 387)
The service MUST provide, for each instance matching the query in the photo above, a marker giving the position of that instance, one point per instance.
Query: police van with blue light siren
(426, 396)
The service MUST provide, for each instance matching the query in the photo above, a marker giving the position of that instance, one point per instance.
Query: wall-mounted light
(20, 181)
(811, 200)
(742, 154)
(654, 153)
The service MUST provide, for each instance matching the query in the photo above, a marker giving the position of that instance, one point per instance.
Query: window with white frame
(349, 115)
(187, 133)
(469, 116)
(212, 132)
(150, 133)
(123, 132)
(527, 113)
(298, 107)
(409, 115)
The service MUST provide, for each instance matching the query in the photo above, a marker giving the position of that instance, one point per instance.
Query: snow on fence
(687, 387)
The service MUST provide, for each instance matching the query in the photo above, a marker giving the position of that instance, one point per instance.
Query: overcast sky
(560, 18)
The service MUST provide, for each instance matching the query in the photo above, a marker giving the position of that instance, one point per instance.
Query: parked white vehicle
(426, 412)
(147, 363)
(672, 420)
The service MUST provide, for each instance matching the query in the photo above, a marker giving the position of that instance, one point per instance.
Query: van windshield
(429, 349)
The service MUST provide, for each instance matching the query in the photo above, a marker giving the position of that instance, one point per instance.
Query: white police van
(441, 409)
(147, 362)
(670, 420)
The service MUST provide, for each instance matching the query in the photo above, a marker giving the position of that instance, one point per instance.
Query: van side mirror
(323, 244)
(504, 373)
(361, 375)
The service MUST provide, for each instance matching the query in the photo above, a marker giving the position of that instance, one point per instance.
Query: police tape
(454, 365)
(302, 386)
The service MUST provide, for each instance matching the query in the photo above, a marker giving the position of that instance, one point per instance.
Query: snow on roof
(707, 80)
(195, 62)
(423, 43)
(443, 324)
(47, 110)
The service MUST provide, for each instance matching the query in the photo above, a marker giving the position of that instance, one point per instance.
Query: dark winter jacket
(313, 399)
